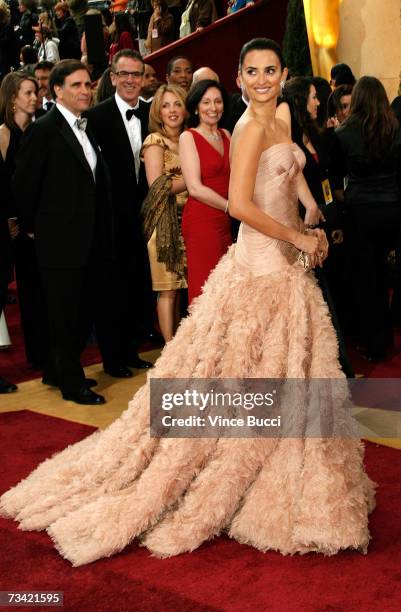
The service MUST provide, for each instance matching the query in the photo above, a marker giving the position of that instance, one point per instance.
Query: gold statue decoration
(323, 25)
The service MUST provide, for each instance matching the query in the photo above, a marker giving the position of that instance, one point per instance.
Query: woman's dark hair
(196, 94)
(170, 64)
(396, 107)
(342, 75)
(161, 3)
(295, 93)
(261, 44)
(122, 24)
(29, 54)
(30, 5)
(9, 89)
(323, 91)
(105, 88)
(107, 16)
(370, 110)
(334, 101)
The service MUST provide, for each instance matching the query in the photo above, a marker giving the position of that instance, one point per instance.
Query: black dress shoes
(118, 371)
(84, 396)
(52, 382)
(7, 387)
(139, 364)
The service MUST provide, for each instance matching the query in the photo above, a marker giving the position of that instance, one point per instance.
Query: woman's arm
(313, 214)
(246, 151)
(153, 156)
(190, 165)
(283, 113)
(148, 41)
(4, 140)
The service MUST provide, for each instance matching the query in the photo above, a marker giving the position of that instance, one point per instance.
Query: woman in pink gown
(261, 315)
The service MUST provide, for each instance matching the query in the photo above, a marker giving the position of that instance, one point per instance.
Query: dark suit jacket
(57, 197)
(373, 176)
(107, 125)
(235, 110)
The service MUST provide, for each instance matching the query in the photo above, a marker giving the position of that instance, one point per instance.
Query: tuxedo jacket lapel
(67, 133)
(144, 118)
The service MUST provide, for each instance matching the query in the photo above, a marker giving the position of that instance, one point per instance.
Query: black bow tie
(132, 111)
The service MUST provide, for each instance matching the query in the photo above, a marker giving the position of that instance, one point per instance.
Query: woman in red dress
(204, 154)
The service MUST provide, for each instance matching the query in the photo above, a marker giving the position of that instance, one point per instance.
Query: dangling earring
(282, 83)
(196, 112)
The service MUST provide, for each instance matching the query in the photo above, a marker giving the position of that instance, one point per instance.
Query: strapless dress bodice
(275, 194)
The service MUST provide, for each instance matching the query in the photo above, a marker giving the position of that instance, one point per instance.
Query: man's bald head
(205, 73)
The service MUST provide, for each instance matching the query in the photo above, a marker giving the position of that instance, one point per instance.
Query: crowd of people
(58, 31)
(162, 222)
(260, 315)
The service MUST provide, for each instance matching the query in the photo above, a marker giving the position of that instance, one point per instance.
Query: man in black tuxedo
(61, 189)
(120, 124)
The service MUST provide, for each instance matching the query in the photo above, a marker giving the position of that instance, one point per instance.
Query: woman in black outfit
(368, 154)
(17, 90)
(299, 109)
(18, 97)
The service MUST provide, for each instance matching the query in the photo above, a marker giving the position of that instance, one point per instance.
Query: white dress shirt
(133, 127)
(81, 136)
(46, 101)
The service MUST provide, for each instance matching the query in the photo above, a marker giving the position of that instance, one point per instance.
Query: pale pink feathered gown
(261, 316)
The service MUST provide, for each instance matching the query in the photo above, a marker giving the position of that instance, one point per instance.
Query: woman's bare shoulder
(248, 129)
(186, 136)
(282, 127)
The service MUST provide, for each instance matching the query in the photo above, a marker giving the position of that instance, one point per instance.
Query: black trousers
(128, 307)
(372, 231)
(75, 299)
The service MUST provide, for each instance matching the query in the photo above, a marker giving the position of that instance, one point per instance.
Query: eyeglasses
(124, 74)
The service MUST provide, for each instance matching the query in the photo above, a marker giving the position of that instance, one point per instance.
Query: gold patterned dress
(163, 279)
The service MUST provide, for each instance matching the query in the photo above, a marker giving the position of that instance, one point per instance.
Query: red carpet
(221, 575)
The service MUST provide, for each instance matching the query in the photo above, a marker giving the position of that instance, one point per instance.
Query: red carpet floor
(221, 575)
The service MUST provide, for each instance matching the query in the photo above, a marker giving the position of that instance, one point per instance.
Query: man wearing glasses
(120, 125)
